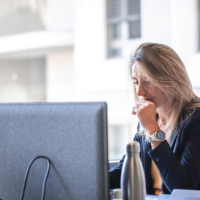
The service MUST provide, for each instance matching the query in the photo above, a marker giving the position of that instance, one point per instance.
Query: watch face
(160, 135)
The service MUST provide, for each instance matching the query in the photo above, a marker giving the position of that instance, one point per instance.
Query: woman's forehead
(137, 73)
(136, 66)
(136, 70)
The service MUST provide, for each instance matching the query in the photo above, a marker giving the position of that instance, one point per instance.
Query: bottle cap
(133, 147)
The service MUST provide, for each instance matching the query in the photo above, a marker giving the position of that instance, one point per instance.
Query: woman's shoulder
(193, 116)
(191, 120)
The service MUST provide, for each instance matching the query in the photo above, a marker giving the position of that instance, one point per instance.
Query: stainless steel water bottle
(132, 175)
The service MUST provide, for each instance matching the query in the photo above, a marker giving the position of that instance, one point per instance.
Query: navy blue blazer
(178, 162)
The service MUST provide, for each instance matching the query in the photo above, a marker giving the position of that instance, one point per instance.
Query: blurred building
(36, 51)
(78, 50)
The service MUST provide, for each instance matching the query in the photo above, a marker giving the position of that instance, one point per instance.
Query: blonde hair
(162, 66)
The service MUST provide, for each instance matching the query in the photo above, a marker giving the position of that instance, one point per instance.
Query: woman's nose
(141, 90)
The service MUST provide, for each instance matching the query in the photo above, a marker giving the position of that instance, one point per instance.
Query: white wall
(60, 14)
(156, 21)
(60, 76)
(185, 37)
(184, 29)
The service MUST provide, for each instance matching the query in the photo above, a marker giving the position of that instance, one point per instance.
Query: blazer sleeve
(115, 175)
(182, 172)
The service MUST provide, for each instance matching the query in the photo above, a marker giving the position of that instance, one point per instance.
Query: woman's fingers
(140, 104)
(146, 113)
(136, 109)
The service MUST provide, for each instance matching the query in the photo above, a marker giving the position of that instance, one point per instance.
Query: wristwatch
(157, 136)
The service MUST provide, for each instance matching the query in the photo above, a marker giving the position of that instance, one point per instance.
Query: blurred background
(78, 50)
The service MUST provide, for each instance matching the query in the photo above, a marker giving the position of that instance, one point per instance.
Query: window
(119, 136)
(124, 24)
(23, 80)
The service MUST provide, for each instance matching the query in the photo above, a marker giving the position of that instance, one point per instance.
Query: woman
(169, 121)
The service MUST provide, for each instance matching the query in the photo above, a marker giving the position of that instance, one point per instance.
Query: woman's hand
(146, 113)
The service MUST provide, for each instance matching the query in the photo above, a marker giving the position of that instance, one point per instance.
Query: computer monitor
(72, 135)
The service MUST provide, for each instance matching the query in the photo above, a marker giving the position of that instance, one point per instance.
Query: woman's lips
(147, 99)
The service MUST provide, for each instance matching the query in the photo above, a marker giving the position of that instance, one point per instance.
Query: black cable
(45, 178)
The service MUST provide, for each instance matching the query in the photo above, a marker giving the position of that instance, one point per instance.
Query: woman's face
(146, 90)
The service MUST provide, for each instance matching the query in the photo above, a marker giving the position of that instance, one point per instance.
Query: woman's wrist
(152, 130)
(155, 144)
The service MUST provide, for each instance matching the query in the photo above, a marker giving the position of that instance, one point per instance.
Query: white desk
(116, 194)
(161, 197)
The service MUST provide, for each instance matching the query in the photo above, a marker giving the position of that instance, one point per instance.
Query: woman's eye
(147, 82)
(135, 83)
